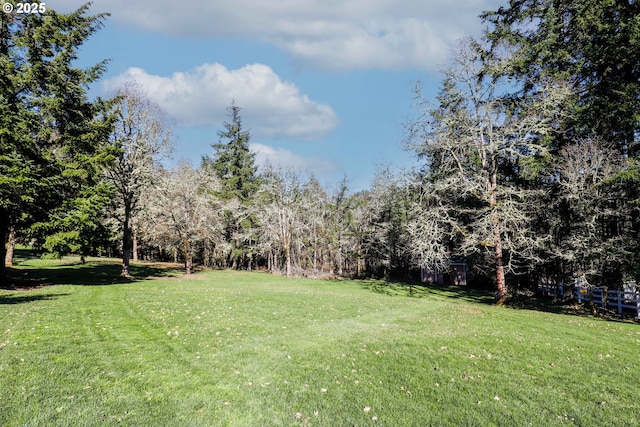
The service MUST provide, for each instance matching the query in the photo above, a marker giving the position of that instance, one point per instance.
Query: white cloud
(270, 106)
(345, 34)
(266, 155)
(408, 43)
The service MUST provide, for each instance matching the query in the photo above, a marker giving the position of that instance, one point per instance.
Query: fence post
(620, 301)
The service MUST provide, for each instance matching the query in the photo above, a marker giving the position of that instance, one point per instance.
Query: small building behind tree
(455, 274)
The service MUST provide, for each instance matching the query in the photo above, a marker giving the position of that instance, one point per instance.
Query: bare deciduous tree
(386, 243)
(314, 208)
(475, 142)
(143, 139)
(590, 238)
(184, 212)
(280, 201)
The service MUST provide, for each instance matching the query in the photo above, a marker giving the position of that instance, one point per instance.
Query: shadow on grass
(89, 274)
(20, 299)
(421, 290)
(541, 303)
(516, 302)
(24, 254)
(569, 306)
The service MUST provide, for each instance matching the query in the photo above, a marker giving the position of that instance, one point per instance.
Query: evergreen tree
(52, 138)
(234, 162)
(594, 44)
(234, 165)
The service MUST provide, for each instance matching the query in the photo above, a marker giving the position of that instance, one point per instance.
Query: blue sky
(325, 86)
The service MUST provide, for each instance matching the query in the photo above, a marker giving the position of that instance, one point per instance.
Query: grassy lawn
(251, 349)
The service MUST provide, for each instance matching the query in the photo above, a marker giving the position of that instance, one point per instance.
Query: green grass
(251, 349)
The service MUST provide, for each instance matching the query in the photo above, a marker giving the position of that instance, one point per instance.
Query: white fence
(556, 291)
(627, 300)
(609, 298)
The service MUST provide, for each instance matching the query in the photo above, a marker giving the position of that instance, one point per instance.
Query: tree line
(529, 164)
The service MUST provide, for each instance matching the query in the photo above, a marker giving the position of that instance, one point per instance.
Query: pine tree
(52, 138)
(595, 45)
(234, 162)
(234, 165)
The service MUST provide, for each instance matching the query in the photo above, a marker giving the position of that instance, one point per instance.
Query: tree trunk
(331, 260)
(287, 255)
(11, 244)
(501, 286)
(315, 258)
(126, 240)
(206, 255)
(4, 225)
(135, 244)
(187, 257)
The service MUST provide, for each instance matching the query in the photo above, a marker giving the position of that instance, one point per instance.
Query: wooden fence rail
(609, 298)
(604, 298)
(556, 291)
